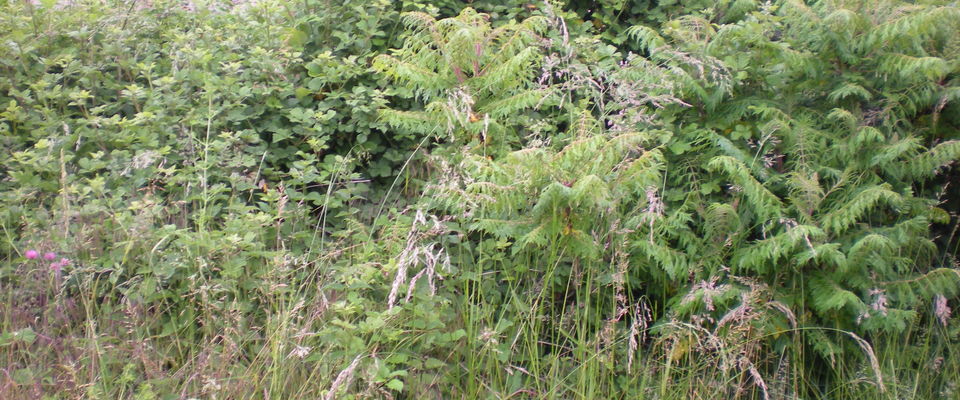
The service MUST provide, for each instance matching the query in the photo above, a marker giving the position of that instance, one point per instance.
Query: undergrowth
(420, 199)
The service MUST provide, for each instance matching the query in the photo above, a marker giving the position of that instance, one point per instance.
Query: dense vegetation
(489, 199)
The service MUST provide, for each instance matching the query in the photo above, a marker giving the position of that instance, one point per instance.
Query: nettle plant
(165, 154)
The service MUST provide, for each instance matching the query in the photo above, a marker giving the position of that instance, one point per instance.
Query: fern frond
(411, 121)
(721, 222)
(581, 244)
(872, 244)
(913, 27)
(762, 256)
(648, 38)
(403, 71)
(553, 197)
(806, 194)
(866, 135)
(591, 192)
(828, 254)
(843, 21)
(867, 200)
(910, 68)
(510, 105)
(827, 295)
(825, 346)
(643, 172)
(538, 236)
(513, 73)
(904, 148)
(930, 162)
(849, 89)
(673, 262)
(844, 117)
(942, 281)
(764, 202)
(500, 228)
(417, 20)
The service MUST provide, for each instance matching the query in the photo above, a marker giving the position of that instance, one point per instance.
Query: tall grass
(82, 341)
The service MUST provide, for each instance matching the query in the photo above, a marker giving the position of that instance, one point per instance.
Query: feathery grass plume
(343, 378)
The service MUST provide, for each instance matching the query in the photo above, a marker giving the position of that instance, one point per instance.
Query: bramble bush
(445, 199)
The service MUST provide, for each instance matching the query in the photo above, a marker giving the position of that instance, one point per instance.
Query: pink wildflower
(941, 310)
(57, 266)
(31, 254)
(49, 256)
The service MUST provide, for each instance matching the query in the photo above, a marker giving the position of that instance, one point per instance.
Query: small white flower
(300, 351)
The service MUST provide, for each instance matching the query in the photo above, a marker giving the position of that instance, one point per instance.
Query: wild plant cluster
(280, 199)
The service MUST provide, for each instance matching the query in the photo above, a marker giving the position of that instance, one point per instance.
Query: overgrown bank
(419, 199)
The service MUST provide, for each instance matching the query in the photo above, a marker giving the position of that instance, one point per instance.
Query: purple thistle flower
(31, 254)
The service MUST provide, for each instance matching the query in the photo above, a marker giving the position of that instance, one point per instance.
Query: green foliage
(581, 199)
(471, 76)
